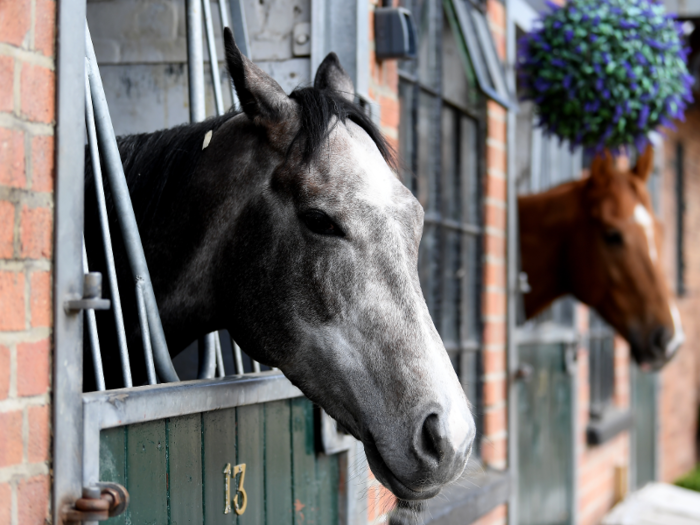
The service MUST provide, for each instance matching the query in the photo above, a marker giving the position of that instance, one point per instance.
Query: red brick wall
(27, 86)
(680, 380)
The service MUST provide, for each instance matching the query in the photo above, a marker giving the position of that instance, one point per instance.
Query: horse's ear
(261, 97)
(645, 163)
(331, 75)
(602, 167)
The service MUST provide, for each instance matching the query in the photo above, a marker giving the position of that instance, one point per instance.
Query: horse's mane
(159, 160)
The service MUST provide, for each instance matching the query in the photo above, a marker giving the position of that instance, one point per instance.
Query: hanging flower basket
(604, 73)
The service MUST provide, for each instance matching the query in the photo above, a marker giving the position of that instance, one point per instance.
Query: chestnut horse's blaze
(597, 238)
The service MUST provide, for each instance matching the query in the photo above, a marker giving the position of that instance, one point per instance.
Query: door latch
(92, 295)
(523, 283)
(99, 503)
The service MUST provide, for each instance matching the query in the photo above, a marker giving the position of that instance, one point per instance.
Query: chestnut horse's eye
(319, 222)
(613, 237)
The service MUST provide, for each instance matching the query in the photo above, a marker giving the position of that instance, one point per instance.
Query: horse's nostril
(432, 439)
(660, 338)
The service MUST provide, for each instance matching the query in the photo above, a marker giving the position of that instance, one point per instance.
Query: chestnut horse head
(598, 239)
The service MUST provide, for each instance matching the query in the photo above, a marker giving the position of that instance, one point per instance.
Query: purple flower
(552, 5)
(567, 82)
(558, 62)
(633, 86)
(643, 116)
(568, 35)
(599, 84)
(628, 24)
(606, 93)
(639, 57)
(597, 68)
(592, 38)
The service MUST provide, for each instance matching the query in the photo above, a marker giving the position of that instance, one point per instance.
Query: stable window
(440, 153)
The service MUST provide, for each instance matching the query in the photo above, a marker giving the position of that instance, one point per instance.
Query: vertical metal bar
(93, 336)
(195, 60)
(237, 357)
(106, 235)
(125, 214)
(207, 356)
(240, 27)
(256, 365)
(67, 400)
(223, 13)
(213, 59)
(219, 358)
(143, 322)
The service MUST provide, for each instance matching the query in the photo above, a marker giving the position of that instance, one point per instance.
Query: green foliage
(691, 480)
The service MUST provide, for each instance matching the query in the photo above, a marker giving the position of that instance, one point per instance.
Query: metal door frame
(519, 13)
(78, 418)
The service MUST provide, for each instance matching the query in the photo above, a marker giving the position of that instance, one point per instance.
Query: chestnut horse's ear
(331, 75)
(645, 163)
(602, 167)
(262, 99)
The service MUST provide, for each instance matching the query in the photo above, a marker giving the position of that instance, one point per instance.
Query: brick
(12, 301)
(7, 229)
(38, 88)
(496, 13)
(495, 421)
(5, 503)
(45, 27)
(494, 391)
(494, 361)
(496, 189)
(495, 333)
(39, 436)
(495, 217)
(7, 73)
(40, 299)
(494, 303)
(494, 451)
(12, 169)
(10, 438)
(15, 21)
(390, 112)
(36, 233)
(33, 501)
(495, 158)
(495, 517)
(4, 373)
(33, 369)
(42, 163)
(494, 246)
(495, 275)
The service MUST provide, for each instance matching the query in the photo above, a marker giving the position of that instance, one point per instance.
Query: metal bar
(221, 372)
(223, 14)
(125, 214)
(143, 322)
(207, 356)
(256, 366)
(106, 235)
(195, 60)
(68, 272)
(237, 357)
(240, 27)
(213, 59)
(93, 336)
(119, 407)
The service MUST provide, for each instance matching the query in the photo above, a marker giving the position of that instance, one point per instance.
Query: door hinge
(99, 503)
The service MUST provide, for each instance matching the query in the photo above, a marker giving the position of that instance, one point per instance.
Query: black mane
(161, 159)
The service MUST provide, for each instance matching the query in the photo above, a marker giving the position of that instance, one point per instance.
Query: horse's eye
(319, 222)
(613, 237)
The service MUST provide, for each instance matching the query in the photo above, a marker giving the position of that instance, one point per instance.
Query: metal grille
(440, 151)
(601, 371)
(680, 219)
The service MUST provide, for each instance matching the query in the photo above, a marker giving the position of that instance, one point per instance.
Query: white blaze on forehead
(645, 220)
(678, 334)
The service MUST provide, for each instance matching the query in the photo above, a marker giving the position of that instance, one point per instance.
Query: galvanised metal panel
(644, 434)
(545, 437)
(174, 468)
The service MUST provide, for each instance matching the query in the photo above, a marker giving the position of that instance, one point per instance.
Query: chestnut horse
(597, 239)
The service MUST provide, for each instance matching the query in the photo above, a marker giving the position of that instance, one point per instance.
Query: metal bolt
(92, 286)
(302, 38)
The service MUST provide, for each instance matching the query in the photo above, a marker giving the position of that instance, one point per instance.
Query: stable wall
(27, 117)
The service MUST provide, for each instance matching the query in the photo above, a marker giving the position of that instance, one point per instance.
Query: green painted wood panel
(219, 448)
(278, 464)
(146, 463)
(185, 469)
(251, 431)
(113, 463)
(173, 468)
(305, 485)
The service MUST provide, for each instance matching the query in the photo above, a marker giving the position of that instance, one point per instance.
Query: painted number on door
(239, 505)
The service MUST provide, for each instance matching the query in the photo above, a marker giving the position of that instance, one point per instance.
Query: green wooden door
(644, 429)
(545, 437)
(174, 468)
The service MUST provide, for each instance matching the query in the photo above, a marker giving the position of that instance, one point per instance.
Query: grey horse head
(330, 292)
